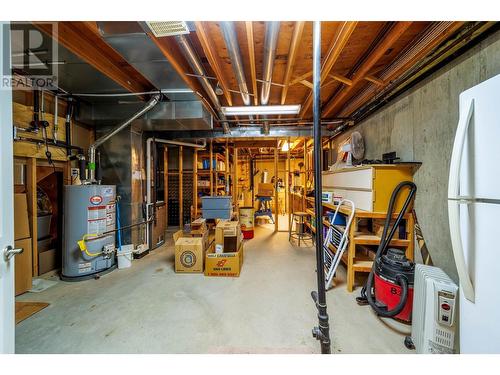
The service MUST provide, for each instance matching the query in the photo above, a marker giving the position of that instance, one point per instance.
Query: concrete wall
(420, 126)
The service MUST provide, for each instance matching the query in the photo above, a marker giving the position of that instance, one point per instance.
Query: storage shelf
(361, 238)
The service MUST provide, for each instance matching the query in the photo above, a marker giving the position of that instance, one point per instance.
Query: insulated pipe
(195, 64)
(322, 332)
(270, 43)
(92, 149)
(148, 172)
(233, 48)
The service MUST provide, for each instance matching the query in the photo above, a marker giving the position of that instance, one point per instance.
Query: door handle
(10, 252)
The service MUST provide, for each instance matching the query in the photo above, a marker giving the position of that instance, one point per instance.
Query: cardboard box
(265, 189)
(189, 255)
(22, 262)
(199, 226)
(21, 221)
(228, 235)
(224, 265)
(204, 237)
(227, 228)
(47, 261)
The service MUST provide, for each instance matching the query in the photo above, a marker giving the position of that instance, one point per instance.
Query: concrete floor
(151, 309)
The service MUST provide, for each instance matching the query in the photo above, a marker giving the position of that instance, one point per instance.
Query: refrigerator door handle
(454, 204)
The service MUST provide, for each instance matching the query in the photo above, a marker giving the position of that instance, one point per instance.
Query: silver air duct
(92, 149)
(233, 48)
(270, 42)
(195, 64)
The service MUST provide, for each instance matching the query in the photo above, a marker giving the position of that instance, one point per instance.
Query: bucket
(125, 255)
(246, 222)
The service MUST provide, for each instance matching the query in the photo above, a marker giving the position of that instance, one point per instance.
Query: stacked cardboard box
(227, 236)
(199, 226)
(225, 256)
(190, 248)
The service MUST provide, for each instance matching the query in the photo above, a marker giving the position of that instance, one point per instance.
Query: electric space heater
(434, 312)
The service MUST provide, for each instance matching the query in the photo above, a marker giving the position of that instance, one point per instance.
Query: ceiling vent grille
(168, 28)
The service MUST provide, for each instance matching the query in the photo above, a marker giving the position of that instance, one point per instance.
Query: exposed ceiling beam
(83, 39)
(342, 79)
(213, 58)
(292, 55)
(374, 80)
(387, 42)
(169, 48)
(306, 83)
(300, 78)
(430, 39)
(342, 35)
(251, 57)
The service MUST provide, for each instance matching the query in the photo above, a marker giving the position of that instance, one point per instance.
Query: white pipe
(148, 170)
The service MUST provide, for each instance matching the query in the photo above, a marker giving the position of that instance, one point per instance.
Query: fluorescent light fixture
(262, 110)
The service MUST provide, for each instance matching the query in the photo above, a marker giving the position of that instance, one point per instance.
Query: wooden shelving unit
(357, 258)
(219, 181)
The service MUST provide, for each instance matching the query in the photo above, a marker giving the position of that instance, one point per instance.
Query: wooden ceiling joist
(300, 78)
(292, 55)
(387, 42)
(341, 79)
(83, 39)
(367, 95)
(213, 58)
(375, 80)
(251, 57)
(340, 40)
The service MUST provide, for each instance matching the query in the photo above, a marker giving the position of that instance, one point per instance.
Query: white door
(479, 326)
(7, 325)
(473, 209)
(479, 167)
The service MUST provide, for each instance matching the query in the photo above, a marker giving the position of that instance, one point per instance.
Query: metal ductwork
(233, 48)
(165, 116)
(92, 149)
(195, 64)
(270, 43)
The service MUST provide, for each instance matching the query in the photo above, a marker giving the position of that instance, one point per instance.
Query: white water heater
(434, 312)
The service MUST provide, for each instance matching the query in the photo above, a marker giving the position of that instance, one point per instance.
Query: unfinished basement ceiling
(360, 61)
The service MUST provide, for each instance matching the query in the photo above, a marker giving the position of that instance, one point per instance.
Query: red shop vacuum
(389, 288)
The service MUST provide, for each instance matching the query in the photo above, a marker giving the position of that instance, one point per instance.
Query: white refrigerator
(474, 216)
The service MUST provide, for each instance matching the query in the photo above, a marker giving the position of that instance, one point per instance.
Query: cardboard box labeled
(23, 271)
(265, 189)
(224, 265)
(189, 255)
(21, 221)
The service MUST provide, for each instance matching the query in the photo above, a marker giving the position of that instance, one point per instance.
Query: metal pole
(322, 332)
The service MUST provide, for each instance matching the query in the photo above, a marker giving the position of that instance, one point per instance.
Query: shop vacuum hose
(366, 293)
